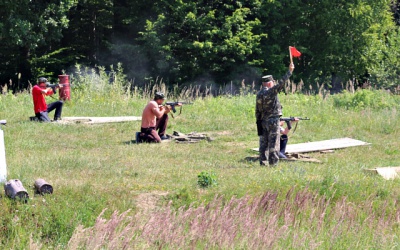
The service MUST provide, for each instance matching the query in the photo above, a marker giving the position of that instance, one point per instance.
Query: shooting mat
(93, 120)
(388, 173)
(322, 145)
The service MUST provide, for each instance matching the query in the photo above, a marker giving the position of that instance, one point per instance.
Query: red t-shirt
(39, 102)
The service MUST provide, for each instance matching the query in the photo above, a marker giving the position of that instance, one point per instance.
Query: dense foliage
(199, 42)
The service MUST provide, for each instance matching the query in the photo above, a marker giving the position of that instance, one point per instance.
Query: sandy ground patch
(147, 202)
(225, 132)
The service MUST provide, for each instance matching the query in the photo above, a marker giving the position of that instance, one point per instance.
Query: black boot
(282, 149)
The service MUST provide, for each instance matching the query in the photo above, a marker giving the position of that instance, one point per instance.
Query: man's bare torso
(150, 114)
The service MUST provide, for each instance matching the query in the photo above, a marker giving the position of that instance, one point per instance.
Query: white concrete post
(3, 165)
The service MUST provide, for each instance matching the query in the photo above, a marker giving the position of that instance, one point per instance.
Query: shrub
(206, 179)
(365, 98)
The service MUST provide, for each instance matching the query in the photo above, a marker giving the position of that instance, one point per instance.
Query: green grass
(93, 167)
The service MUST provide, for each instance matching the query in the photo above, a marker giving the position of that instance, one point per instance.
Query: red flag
(294, 52)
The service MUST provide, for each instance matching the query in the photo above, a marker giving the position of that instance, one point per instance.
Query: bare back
(150, 113)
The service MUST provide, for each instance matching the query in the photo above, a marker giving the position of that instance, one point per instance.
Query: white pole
(3, 166)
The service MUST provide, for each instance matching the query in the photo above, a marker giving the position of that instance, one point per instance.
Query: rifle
(285, 119)
(54, 86)
(290, 119)
(173, 104)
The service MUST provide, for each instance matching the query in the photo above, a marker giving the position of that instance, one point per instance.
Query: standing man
(155, 118)
(268, 112)
(42, 110)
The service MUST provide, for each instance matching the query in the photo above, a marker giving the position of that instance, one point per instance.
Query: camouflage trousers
(269, 141)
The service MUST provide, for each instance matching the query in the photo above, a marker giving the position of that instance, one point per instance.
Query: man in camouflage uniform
(268, 112)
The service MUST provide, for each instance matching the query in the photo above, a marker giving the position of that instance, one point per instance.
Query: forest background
(202, 42)
(167, 45)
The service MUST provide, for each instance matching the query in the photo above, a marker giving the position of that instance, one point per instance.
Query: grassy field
(150, 191)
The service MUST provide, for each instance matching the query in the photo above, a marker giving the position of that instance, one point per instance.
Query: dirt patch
(226, 132)
(147, 202)
(238, 144)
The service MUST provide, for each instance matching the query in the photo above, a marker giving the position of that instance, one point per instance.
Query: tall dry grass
(298, 220)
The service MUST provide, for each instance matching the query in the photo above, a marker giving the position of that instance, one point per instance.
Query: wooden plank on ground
(322, 145)
(387, 173)
(93, 120)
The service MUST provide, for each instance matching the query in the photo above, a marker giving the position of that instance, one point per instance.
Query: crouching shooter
(40, 106)
(155, 120)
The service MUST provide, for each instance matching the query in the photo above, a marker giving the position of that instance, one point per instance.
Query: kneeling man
(42, 110)
(154, 120)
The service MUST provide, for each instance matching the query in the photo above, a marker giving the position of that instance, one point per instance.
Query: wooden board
(387, 173)
(322, 145)
(92, 120)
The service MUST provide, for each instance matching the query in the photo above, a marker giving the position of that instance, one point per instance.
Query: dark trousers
(151, 134)
(44, 116)
(269, 141)
(284, 141)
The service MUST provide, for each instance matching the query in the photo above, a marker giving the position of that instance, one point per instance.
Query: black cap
(42, 79)
(267, 78)
(159, 95)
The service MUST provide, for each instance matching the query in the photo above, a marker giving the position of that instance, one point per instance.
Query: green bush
(365, 98)
(206, 179)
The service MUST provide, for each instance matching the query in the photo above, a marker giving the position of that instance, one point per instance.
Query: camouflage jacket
(267, 101)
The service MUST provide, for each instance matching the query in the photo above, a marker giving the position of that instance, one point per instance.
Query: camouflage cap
(267, 78)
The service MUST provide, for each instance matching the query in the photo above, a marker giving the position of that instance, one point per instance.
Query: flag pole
(290, 53)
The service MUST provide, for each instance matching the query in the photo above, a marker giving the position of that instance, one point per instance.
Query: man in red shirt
(154, 117)
(40, 106)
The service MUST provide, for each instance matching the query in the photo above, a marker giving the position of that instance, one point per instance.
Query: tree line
(196, 42)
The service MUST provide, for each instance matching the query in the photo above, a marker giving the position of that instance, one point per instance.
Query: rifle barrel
(292, 118)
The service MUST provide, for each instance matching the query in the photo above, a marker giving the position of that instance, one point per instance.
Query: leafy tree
(129, 19)
(27, 27)
(219, 41)
(89, 35)
(191, 39)
(338, 38)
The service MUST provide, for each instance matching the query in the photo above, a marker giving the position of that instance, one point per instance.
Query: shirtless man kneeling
(155, 120)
